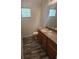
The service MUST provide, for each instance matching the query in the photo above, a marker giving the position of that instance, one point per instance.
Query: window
(52, 12)
(26, 12)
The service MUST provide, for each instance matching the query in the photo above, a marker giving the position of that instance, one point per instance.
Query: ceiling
(30, 2)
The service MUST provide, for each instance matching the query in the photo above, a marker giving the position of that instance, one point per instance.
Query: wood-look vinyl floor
(33, 50)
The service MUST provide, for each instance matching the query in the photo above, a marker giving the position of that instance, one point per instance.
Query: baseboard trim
(27, 36)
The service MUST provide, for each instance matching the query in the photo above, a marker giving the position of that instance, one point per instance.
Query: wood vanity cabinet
(49, 45)
(39, 37)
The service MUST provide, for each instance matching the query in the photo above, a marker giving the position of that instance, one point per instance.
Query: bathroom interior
(39, 29)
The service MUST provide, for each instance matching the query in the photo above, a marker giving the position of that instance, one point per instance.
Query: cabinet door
(39, 37)
(42, 39)
(51, 49)
(52, 52)
(52, 43)
(44, 42)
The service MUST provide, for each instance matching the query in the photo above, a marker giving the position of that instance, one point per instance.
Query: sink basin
(45, 30)
(49, 31)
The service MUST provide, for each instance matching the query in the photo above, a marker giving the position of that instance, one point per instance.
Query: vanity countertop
(50, 34)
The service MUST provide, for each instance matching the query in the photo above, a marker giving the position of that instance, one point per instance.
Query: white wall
(44, 13)
(31, 24)
(40, 9)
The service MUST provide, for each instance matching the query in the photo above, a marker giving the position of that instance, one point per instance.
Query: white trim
(27, 35)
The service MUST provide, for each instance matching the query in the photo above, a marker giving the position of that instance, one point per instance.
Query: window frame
(50, 12)
(29, 13)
